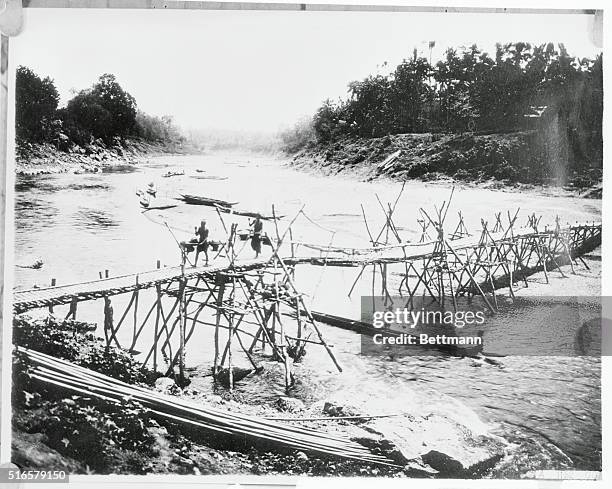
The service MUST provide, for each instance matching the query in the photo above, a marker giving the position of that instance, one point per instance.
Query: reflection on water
(549, 407)
(94, 219)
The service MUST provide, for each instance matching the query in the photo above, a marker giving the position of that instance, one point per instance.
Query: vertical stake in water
(156, 332)
(182, 319)
(219, 305)
(108, 320)
(53, 282)
(230, 334)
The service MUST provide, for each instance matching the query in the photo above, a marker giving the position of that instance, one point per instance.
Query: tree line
(104, 112)
(470, 91)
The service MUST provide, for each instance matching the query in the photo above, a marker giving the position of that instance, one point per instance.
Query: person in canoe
(144, 201)
(256, 236)
(202, 241)
(151, 190)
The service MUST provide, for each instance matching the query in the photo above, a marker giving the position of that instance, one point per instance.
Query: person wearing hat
(202, 240)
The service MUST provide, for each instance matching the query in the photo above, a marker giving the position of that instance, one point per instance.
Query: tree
(327, 121)
(368, 109)
(157, 129)
(409, 95)
(36, 101)
(86, 117)
(104, 111)
(119, 103)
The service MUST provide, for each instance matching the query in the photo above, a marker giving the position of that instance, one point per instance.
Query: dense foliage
(104, 112)
(36, 101)
(523, 87)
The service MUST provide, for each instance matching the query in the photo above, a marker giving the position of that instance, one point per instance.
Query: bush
(96, 433)
(298, 137)
(76, 342)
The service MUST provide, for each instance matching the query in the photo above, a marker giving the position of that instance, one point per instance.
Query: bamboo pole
(53, 282)
(136, 294)
(312, 320)
(158, 311)
(182, 331)
(472, 277)
(108, 320)
(77, 379)
(218, 321)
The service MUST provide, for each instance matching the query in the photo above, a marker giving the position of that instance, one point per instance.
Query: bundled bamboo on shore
(254, 430)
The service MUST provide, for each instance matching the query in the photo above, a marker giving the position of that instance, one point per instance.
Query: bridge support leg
(73, 309)
(182, 330)
(108, 321)
(219, 305)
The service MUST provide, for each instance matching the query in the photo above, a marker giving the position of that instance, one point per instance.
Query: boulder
(335, 408)
(301, 456)
(289, 404)
(164, 383)
(29, 451)
(444, 444)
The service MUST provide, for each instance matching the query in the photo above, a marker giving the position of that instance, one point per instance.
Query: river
(547, 407)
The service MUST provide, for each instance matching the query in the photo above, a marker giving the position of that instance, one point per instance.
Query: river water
(547, 407)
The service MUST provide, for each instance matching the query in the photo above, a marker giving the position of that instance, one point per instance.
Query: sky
(256, 71)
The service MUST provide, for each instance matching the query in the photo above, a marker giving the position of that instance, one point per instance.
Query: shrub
(298, 137)
(75, 341)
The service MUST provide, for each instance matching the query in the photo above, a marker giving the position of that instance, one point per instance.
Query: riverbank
(59, 430)
(514, 161)
(39, 159)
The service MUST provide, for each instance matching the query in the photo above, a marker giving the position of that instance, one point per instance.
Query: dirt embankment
(37, 159)
(511, 159)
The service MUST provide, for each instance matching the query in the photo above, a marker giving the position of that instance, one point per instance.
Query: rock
(446, 445)
(443, 463)
(378, 444)
(164, 383)
(289, 404)
(238, 373)
(213, 398)
(333, 408)
(301, 456)
(417, 468)
(30, 452)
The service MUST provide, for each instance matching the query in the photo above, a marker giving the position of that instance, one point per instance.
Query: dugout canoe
(201, 200)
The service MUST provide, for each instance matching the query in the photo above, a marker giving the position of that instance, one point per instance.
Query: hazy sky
(255, 70)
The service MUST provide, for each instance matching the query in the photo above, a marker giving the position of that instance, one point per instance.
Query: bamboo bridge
(258, 305)
(583, 238)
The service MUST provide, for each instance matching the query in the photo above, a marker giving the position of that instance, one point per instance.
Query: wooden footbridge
(579, 239)
(256, 304)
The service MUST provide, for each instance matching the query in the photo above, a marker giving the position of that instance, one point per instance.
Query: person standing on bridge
(256, 236)
(202, 240)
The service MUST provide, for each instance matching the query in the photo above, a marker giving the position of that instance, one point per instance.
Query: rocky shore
(40, 159)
